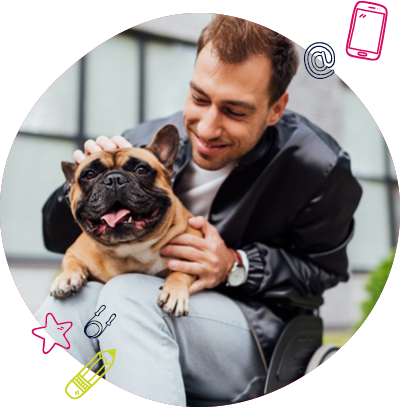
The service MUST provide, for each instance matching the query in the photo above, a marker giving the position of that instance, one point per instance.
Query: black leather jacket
(289, 204)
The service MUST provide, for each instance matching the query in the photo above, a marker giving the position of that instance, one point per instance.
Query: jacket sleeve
(315, 258)
(59, 227)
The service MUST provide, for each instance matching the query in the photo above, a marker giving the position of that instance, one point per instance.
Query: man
(267, 183)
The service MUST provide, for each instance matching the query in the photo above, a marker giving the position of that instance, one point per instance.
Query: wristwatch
(237, 275)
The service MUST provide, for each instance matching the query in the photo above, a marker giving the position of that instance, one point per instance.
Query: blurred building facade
(143, 74)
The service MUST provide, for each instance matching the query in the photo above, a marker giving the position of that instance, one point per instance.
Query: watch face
(237, 276)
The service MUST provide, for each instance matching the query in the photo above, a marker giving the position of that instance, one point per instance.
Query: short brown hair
(234, 40)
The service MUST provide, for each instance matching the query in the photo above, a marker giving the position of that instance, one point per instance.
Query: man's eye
(198, 100)
(239, 115)
(141, 170)
(89, 175)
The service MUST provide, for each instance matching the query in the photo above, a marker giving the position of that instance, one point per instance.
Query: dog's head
(124, 195)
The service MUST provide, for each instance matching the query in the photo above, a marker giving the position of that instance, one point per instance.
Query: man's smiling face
(227, 108)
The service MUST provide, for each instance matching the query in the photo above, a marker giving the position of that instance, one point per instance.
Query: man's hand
(208, 257)
(101, 143)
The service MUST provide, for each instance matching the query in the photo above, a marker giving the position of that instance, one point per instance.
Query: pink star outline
(55, 343)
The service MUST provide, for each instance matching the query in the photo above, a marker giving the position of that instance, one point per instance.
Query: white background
(41, 39)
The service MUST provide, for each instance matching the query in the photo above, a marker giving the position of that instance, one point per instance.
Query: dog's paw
(174, 300)
(67, 284)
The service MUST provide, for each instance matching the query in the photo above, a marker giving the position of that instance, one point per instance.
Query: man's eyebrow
(240, 103)
(228, 102)
(197, 89)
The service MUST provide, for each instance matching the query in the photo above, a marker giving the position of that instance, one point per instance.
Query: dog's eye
(141, 170)
(89, 175)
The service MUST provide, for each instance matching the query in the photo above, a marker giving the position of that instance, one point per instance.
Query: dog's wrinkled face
(124, 195)
(120, 198)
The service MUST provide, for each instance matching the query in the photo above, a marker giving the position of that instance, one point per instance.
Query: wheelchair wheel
(321, 355)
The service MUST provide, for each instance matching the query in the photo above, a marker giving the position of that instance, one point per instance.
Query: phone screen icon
(367, 31)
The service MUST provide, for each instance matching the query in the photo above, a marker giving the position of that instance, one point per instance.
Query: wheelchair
(299, 349)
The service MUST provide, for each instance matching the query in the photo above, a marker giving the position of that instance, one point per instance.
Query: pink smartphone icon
(367, 30)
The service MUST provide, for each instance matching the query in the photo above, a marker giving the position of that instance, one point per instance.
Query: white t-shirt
(197, 189)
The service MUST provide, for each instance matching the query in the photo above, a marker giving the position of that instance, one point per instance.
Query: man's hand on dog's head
(101, 143)
(207, 257)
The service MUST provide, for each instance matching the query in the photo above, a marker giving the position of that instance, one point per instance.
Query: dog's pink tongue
(114, 217)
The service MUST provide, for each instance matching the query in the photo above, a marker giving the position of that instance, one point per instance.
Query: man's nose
(209, 126)
(115, 179)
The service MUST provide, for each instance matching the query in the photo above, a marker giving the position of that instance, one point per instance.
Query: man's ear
(165, 145)
(277, 109)
(69, 170)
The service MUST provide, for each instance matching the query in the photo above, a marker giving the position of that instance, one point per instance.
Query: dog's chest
(141, 259)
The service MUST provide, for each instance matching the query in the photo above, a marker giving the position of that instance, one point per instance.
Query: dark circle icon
(319, 69)
(94, 324)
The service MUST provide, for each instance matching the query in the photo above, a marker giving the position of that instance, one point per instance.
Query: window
(128, 79)
(377, 217)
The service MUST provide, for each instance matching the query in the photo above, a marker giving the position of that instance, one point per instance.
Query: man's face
(227, 108)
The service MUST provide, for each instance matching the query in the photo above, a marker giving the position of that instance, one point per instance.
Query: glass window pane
(112, 87)
(168, 71)
(317, 100)
(361, 137)
(371, 241)
(56, 112)
(392, 171)
(186, 27)
(396, 204)
(32, 173)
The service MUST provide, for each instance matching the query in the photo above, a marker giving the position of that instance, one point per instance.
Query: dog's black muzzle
(115, 179)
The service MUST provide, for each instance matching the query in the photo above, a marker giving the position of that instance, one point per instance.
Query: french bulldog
(124, 204)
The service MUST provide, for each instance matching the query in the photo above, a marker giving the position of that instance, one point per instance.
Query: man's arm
(272, 268)
(314, 260)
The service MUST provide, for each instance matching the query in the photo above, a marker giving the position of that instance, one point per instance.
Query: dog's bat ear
(69, 170)
(165, 145)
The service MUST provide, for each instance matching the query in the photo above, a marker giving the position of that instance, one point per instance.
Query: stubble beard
(205, 163)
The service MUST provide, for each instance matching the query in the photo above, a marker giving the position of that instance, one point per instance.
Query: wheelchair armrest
(289, 297)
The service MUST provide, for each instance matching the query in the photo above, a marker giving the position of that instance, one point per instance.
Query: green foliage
(375, 283)
(337, 337)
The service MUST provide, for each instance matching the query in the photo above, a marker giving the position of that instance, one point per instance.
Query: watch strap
(238, 257)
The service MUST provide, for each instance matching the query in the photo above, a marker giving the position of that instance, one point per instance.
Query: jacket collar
(259, 150)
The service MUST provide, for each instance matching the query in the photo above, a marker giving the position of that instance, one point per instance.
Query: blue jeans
(210, 355)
